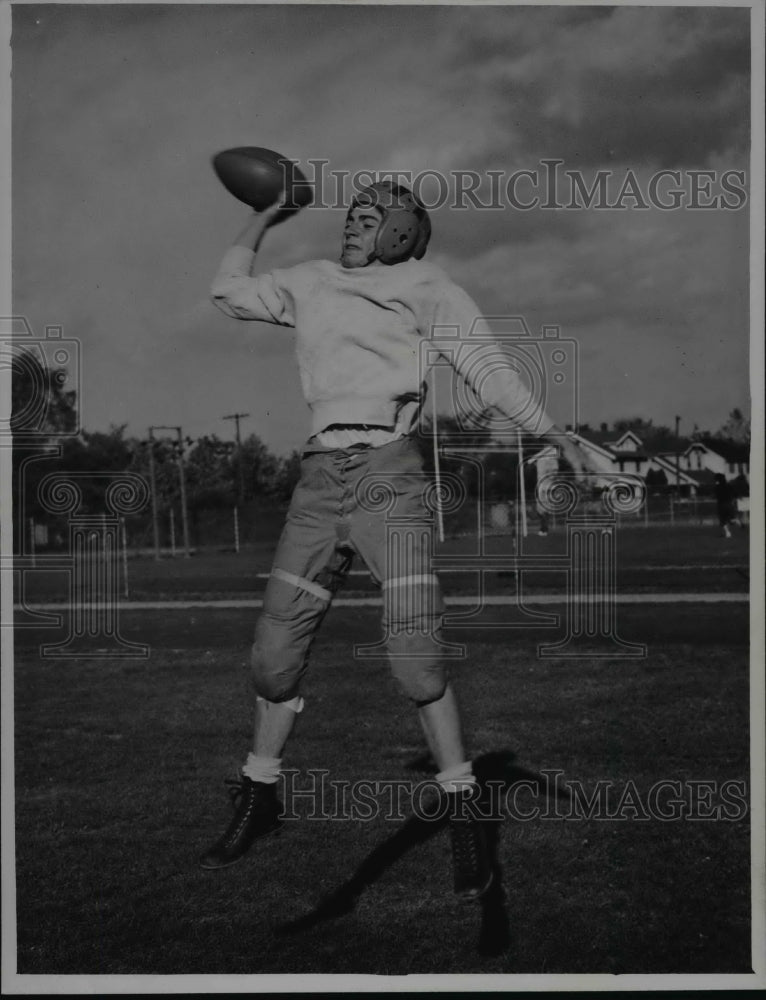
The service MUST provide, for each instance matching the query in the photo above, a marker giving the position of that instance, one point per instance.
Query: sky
(119, 222)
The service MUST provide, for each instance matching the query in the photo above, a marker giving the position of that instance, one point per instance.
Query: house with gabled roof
(703, 460)
(730, 458)
(692, 468)
(612, 452)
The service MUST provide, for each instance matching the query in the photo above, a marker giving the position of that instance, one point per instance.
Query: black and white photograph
(382, 497)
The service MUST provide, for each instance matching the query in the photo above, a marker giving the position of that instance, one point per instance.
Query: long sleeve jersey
(359, 333)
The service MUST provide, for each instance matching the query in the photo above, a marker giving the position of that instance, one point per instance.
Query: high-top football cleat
(472, 865)
(256, 814)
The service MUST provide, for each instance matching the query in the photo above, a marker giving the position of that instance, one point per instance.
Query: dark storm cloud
(666, 87)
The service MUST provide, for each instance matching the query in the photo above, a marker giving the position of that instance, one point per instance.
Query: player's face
(362, 225)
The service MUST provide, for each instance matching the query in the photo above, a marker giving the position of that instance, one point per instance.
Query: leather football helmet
(405, 229)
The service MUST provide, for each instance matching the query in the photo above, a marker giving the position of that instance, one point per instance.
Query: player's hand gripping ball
(258, 177)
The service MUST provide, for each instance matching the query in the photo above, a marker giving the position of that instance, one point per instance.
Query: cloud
(657, 305)
(119, 222)
(644, 267)
(662, 86)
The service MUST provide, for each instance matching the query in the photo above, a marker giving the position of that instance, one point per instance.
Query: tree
(260, 469)
(640, 427)
(40, 403)
(654, 439)
(736, 428)
(42, 411)
(96, 453)
(287, 476)
(210, 473)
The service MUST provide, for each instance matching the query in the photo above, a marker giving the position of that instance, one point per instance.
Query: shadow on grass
(494, 932)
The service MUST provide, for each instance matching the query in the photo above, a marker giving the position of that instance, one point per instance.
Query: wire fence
(499, 518)
(234, 528)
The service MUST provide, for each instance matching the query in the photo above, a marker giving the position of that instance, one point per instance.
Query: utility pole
(153, 484)
(182, 484)
(236, 417)
(678, 458)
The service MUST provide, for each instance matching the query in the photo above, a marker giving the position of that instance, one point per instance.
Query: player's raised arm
(257, 223)
(258, 177)
(499, 384)
(235, 291)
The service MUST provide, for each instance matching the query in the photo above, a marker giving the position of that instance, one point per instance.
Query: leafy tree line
(219, 475)
(211, 469)
(47, 440)
(657, 439)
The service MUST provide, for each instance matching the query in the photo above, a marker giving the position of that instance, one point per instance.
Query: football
(257, 177)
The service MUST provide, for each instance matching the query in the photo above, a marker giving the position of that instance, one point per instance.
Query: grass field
(688, 559)
(119, 768)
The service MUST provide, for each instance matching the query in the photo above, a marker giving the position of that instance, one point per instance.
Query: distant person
(542, 531)
(726, 504)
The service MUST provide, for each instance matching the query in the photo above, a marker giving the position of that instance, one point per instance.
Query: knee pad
(422, 687)
(277, 664)
(418, 667)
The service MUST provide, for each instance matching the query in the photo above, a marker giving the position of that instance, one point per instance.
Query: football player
(359, 322)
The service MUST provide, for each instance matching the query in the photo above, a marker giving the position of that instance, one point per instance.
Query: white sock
(263, 769)
(457, 779)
